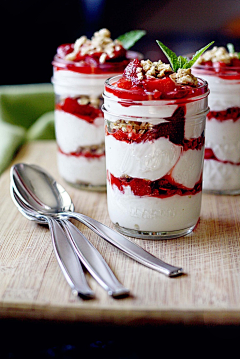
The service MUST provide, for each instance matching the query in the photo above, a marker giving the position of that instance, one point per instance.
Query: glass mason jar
(154, 160)
(222, 148)
(79, 121)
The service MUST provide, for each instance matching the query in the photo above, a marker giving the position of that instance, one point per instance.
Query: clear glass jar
(154, 160)
(79, 121)
(222, 148)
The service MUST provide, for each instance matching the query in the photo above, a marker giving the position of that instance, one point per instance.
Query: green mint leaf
(180, 62)
(230, 48)
(196, 56)
(171, 56)
(131, 37)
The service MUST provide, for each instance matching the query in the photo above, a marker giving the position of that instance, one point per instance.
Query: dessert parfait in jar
(154, 126)
(80, 70)
(221, 69)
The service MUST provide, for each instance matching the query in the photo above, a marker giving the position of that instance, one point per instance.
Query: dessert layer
(224, 93)
(72, 132)
(220, 176)
(153, 160)
(223, 138)
(152, 214)
(82, 170)
(69, 83)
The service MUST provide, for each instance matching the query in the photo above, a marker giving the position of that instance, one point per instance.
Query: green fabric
(26, 114)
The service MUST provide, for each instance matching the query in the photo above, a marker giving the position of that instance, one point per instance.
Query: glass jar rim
(114, 79)
(214, 71)
(61, 62)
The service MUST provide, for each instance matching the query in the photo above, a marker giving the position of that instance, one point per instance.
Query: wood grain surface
(33, 287)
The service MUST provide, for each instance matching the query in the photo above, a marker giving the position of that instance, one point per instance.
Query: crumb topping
(159, 69)
(217, 54)
(101, 42)
(153, 69)
(129, 126)
(184, 77)
(87, 100)
(93, 149)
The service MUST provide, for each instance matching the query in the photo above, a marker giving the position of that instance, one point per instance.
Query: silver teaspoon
(39, 189)
(66, 257)
(86, 252)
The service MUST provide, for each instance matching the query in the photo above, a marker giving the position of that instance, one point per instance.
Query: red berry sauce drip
(84, 112)
(83, 153)
(161, 188)
(210, 155)
(231, 113)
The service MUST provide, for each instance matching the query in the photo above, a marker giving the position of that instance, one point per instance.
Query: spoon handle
(128, 247)
(93, 261)
(68, 261)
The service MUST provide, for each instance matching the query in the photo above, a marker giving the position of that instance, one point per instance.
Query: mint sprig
(131, 37)
(231, 49)
(180, 62)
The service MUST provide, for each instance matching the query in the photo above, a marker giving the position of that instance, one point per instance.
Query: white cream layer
(70, 83)
(220, 176)
(72, 132)
(152, 214)
(223, 137)
(223, 93)
(82, 170)
(153, 159)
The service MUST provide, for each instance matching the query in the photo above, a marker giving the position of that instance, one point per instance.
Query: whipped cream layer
(82, 170)
(223, 93)
(72, 132)
(153, 160)
(223, 137)
(152, 214)
(70, 83)
(224, 176)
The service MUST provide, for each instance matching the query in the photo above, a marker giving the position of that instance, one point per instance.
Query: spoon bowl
(66, 257)
(75, 242)
(37, 188)
(40, 190)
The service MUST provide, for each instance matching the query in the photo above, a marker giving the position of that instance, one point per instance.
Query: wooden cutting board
(33, 287)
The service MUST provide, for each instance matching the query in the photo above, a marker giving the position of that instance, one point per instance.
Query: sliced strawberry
(161, 85)
(219, 66)
(124, 83)
(130, 71)
(235, 62)
(65, 49)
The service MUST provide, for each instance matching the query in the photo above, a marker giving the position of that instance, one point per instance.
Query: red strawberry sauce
(162, 188)
(84, 112)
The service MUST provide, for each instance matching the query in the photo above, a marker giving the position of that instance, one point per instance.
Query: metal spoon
(86, 252)
(66, 257)
(39, 189)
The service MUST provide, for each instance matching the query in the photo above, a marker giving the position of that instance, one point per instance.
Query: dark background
(31, 31)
